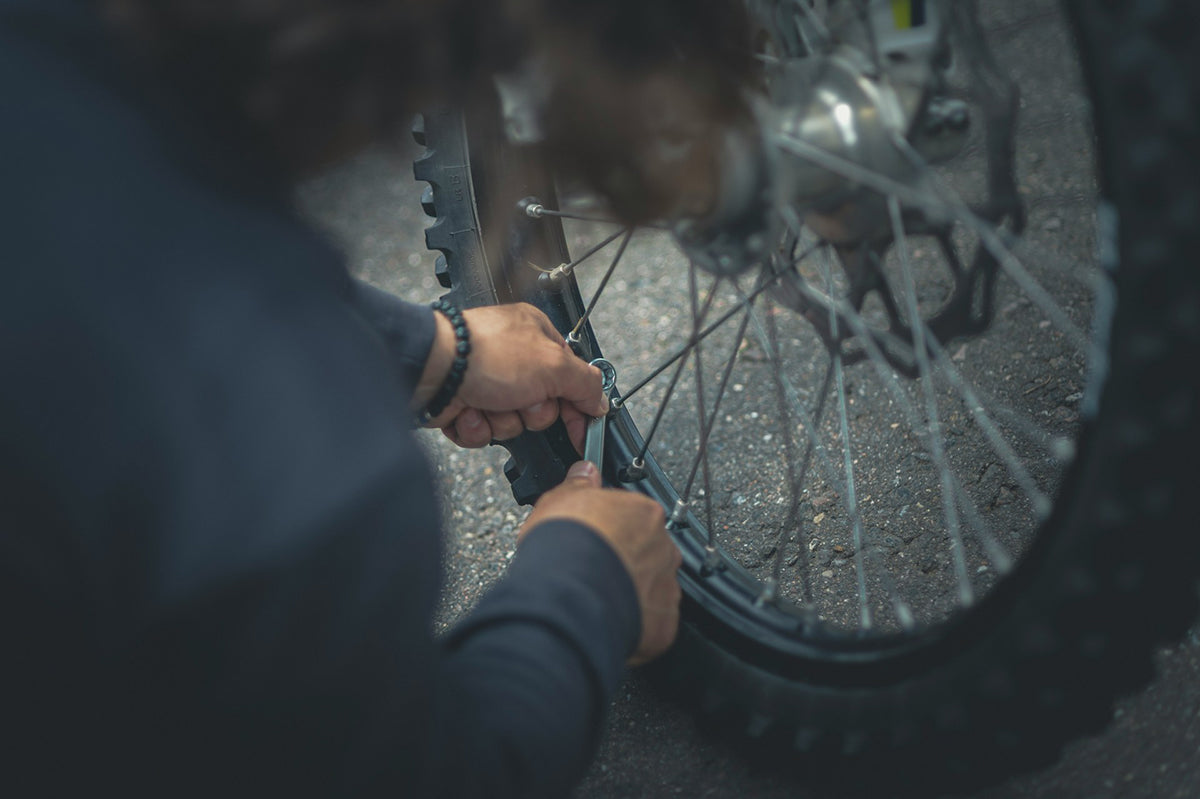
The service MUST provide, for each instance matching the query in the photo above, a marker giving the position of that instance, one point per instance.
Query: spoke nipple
(679, 514)
(574, 342)
(1063, 449)
(1042, 506)
(712, 561)
(616, 403)
(554, 278)
(634, 472)
(532, 208)
(770, 592)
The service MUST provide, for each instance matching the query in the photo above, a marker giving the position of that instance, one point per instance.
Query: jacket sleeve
(407, 329)
(252, 539)
(534, 667)
(307, 623)
(219, 543)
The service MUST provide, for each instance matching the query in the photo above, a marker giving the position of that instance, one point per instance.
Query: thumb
(582, 385)
(583, 474)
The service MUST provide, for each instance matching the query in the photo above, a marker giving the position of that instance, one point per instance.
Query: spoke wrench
(593, 447)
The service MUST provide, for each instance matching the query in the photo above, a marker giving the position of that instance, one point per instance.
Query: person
(219, 542)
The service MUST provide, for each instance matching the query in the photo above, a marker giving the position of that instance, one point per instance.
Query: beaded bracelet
(458, 369)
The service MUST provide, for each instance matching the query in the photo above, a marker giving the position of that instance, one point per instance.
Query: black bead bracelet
(458, 369)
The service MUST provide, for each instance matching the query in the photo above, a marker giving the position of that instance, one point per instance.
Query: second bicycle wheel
(905, 420)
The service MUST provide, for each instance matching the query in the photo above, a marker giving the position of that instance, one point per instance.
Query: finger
(449, 432)
(540, 416)
(581, 384)
(576, 423)
(660, 628)
(472, 429)
(505, 424)
(582, 474)
(448, 416)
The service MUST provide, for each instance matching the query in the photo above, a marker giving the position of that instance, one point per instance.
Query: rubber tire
(1043, 659)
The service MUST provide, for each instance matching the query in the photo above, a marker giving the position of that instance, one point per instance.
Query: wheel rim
(858, 481)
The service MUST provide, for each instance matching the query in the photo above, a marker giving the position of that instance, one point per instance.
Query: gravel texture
(652, 748)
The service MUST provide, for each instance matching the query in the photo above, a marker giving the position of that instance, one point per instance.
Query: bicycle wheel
(912, 425)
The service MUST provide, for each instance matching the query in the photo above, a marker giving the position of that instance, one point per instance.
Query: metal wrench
(593, 446)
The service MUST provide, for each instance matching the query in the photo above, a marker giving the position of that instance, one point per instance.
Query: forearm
(420, 342)
(528, 675)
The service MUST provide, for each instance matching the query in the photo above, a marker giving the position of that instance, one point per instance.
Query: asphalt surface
(650, 747)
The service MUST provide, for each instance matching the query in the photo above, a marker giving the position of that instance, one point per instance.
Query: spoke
(828, 471)
(966, 593)
(1018, 421)
(697, 357)
(903, 611)
(567, 269)
(801, 479)
(705, 333)
(680, 364)
(924, 200)
(1004, 252)
(839, 380)
(864, 16)
(976, 401)
(795, 481)
(996, 552)
(537, 211)
(824, 41)
(603, 283)
(710, 422)
(999, 556)
(1041, 502)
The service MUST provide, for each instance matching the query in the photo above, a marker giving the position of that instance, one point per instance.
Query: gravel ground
(652, 748)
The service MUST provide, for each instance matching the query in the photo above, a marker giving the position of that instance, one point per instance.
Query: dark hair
(309, 74)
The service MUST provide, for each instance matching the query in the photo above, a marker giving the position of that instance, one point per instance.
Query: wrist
(446, 366)
(437, 365)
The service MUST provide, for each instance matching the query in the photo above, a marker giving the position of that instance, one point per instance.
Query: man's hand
(521, 375)
(635, 527)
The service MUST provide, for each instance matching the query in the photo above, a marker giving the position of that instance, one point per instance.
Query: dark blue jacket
(219, 543)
